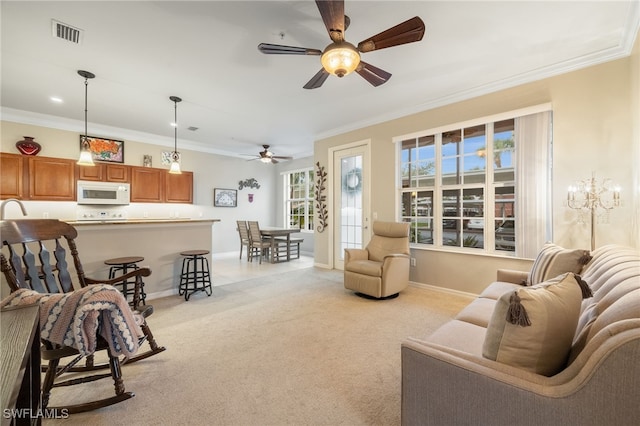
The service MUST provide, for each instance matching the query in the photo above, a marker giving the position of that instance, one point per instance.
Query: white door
(351, 200)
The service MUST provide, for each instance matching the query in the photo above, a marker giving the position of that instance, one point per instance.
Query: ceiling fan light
(340, 59)
(266, 159)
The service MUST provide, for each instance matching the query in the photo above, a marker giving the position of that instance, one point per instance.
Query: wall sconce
(589, 196)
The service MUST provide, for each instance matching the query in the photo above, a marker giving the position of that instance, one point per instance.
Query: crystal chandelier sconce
(595, 200)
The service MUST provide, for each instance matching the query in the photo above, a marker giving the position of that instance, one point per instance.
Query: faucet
(4, 203)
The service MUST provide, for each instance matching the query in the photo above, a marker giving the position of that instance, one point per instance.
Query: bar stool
(195, 273)
(126, 264)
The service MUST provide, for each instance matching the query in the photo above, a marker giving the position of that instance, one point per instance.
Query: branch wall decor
(321, 205)
(248, 183)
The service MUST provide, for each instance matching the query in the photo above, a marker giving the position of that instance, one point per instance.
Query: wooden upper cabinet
(52, 179)
(179, 188)
(147, 185)
(11, 176)
(91, 172)
(104, 172)
(117, 173)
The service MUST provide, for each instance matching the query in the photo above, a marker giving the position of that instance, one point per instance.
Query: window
(298, 190)
(459, 184)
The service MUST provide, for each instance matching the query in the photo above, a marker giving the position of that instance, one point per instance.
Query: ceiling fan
(341, 57)
(267, 156)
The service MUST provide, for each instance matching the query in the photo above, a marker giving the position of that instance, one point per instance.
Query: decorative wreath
(352, 181)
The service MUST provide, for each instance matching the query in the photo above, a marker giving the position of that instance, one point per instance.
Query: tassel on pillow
(517, 314)
(586, 290)
(586, 257)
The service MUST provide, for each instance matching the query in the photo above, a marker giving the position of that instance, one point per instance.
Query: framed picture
(109, 150)
(225, 197)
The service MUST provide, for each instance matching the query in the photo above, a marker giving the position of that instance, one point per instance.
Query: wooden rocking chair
(39, 253)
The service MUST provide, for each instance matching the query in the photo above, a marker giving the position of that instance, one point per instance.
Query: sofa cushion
(478, 312)
(460, 335)
(554, 260)
(543, 341)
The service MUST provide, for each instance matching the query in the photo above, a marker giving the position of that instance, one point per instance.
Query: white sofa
(446, 380)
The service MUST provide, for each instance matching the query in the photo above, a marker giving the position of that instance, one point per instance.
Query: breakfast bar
(159, 241)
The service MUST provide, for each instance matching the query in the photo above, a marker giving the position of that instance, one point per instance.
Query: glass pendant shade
(86, 159)
(340, 59)
(175, 164)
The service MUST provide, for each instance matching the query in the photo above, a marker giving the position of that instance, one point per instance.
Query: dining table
(273, 234)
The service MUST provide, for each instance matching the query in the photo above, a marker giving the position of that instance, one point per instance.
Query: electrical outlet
(413, 261)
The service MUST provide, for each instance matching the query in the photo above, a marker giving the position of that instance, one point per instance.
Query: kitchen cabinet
(179, 188)
(11, 176)
(52, 179)
(104, 173)
(147, 185)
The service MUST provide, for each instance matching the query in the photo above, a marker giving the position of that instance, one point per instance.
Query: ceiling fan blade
(317, 80)
(332, 12)
(373, 75)
(280, 157)
(274, 161)
(406, 32)
(278, 49)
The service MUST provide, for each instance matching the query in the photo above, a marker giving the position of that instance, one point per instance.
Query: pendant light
(86, 159)
(175, 157)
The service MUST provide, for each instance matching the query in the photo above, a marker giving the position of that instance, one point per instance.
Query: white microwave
(103, 193)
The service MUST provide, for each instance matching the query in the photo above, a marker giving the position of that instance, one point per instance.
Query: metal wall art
(321, 205)
(248, 183)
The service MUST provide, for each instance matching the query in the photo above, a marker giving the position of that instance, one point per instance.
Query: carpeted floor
(289, 349)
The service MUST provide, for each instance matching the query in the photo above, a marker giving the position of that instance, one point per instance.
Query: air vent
(66, 32)
(192, 128)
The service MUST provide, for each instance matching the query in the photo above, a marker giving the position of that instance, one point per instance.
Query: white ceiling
(205, 52)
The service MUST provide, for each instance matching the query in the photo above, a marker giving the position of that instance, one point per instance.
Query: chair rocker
(36, 256)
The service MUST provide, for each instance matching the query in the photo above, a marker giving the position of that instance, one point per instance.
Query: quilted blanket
(76, 319)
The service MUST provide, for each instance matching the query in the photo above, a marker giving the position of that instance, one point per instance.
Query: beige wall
(595, 129)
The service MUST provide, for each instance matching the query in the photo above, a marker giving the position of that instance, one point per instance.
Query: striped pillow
(554, 260)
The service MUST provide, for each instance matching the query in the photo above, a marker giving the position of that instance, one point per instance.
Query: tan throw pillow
(533, 327)
(554, 260)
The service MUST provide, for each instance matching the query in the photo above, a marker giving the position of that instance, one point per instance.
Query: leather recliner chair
(381, 270)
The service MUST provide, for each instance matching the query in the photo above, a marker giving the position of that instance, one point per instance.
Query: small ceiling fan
(341, 57)
(267, 156)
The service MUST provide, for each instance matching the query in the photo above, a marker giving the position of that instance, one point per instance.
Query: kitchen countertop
(141, 221)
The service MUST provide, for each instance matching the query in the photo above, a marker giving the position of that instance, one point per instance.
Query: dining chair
(243, 231)
(258, 245)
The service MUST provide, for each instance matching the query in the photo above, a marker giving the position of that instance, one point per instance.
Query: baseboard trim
(443, 289)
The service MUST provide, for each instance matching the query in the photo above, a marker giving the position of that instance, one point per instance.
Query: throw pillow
(533, 327)
(554, 260)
